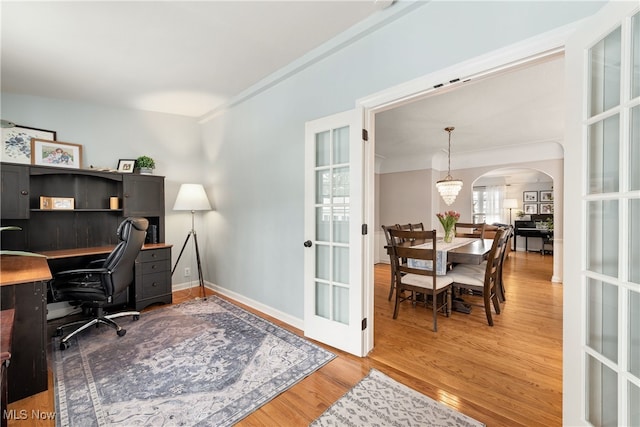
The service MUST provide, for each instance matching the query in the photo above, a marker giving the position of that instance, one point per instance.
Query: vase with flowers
(448, 220)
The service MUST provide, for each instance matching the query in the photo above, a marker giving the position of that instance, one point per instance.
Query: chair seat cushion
(426, 281)
(469, 276)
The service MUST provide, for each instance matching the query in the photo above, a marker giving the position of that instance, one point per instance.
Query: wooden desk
(152, 283)
(23, 287)
(6, 335)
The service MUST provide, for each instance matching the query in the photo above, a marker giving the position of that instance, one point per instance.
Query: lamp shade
(192, 197)
(510, 203)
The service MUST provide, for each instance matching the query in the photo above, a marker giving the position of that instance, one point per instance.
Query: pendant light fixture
(449, 187)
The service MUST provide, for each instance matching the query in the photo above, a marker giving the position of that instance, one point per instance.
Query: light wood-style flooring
(506, 375)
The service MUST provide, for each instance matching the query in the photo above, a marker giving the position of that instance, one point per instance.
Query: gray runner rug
(196, 363)
(378, 400)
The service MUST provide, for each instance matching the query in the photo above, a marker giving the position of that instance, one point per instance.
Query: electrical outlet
(187, 271)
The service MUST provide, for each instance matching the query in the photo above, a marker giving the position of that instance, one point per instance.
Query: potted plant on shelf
(145, 164)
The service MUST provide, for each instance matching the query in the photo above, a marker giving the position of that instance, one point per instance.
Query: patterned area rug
(378, 400)
(196, 363)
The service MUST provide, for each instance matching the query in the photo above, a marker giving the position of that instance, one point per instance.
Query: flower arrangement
(448, 220)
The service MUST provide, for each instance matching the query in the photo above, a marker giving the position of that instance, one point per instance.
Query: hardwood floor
(506, 375)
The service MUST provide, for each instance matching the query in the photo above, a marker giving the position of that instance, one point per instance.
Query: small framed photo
(530, 208)
(16, 143)
(126, 165)
(546, 208)
(529, 196)
(546, 196)
(53, 203)
(55, 153)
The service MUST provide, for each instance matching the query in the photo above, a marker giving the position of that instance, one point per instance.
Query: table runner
(441, 254)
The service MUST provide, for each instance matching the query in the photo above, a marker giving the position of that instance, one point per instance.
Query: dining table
(462, 250)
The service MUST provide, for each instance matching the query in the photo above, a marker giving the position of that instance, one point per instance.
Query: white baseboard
(283, 317)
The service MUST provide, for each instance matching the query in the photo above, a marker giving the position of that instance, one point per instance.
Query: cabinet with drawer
(153, 277)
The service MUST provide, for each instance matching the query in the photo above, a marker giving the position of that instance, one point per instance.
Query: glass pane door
(333, 216)
(611, 278)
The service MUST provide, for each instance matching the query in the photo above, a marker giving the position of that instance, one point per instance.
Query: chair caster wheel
(121, 332)
(136, 317)
(59, 332)
(64, 345)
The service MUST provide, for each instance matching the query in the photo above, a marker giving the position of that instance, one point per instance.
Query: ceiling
(517, 107)
(179, 57)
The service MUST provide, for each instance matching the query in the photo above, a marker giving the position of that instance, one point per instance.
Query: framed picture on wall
(530, 208)
(546, 208)
(529, 196)
(16, 143)
(55, 153)
(546, 196)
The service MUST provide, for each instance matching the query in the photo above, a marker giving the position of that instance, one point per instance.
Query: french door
(333, 266)
(602, 236)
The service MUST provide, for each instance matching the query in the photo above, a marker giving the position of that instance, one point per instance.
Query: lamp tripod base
(200, 276)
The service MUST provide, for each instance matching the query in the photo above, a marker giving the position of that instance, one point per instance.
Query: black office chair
(93, 288)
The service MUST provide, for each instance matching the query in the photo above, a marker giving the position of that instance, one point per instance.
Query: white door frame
(525, 52)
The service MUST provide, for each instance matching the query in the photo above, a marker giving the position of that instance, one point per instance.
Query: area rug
(378, 400)
(203, 362)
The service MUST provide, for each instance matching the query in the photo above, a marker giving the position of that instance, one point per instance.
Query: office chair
(93, 288)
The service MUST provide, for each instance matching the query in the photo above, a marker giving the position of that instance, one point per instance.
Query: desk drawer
(154, 254)
(154, 285)
(155, 267)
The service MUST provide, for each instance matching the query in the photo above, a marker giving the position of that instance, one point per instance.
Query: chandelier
(449, 187)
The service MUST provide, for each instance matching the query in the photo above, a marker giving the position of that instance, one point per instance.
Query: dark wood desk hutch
(71, 237)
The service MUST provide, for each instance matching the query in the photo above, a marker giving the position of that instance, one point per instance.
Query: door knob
(308, 244)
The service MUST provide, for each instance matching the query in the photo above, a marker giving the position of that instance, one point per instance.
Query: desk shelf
(76, 210)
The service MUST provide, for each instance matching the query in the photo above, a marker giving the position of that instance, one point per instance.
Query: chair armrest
(96, 262)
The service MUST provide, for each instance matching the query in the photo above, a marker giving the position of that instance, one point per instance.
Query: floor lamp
(510, 204)
(192, 197)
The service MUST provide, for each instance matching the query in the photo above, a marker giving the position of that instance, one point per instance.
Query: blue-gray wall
(251, 155)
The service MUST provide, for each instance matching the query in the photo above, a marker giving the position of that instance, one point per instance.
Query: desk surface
(16, 269)
(97, 250)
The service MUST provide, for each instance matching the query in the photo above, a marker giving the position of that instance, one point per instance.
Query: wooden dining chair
(466, 229)
(484, 282)
(419, 281)
(417, 227)
(387, 236)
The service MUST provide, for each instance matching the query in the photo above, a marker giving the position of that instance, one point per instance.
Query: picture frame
(530, 208)
(546, 196)
(57, 203)
(47, 152)
(126, 165)
(16, 142)
(529, 196)
(546, 208)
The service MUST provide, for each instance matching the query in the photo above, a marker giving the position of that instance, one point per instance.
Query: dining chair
(419, 281)
(417, 227)
(389, 240)
(484, 282)
(467, 229)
